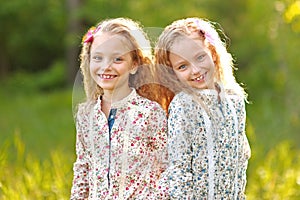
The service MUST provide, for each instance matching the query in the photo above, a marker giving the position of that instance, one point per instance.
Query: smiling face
(193, 62)
(111, 63)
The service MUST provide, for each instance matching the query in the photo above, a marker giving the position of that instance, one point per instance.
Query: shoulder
(181, 95)
(184, 100)
(84, 109)
(147, 103)
(181, 98)
(142, 101)
(236, 98)
(183, 104)
(239, 98)
(186, 112)
(237, 101)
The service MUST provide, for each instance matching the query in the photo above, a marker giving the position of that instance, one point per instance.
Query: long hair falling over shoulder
(143, 80)
(182, 28)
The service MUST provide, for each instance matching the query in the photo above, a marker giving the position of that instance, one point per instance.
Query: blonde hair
(141, 54)
(211, 38)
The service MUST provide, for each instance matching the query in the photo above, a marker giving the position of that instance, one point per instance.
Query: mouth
(200, 78)
(107, 76)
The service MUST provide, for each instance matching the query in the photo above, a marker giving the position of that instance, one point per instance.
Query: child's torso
(122, 161)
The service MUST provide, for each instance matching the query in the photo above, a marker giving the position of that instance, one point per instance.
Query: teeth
(106, 76)
(200, 78)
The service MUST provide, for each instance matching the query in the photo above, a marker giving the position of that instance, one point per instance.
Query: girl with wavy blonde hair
(121, 135)
(207, 145)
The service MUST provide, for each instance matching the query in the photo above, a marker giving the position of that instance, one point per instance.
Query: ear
(133, 69)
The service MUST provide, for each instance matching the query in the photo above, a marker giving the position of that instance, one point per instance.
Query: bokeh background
(40, 43)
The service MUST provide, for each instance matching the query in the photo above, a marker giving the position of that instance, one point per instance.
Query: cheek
(93, 70)
(125, 68)
(213, 67)
(182, 76)
(210, 63)
(93, 66)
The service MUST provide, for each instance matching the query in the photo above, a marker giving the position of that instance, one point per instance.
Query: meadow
(37, 148)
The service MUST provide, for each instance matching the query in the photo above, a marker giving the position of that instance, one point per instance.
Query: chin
(199, 86)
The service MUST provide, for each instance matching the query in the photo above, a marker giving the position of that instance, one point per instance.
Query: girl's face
(193, 62)
(111, 62)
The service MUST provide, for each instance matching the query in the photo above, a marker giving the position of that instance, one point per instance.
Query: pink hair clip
(207, 36)
(89, 36)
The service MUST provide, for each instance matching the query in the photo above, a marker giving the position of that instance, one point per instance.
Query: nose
(106, 65)
(195, 69)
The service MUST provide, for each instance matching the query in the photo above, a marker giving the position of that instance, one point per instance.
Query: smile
(200, 78)
(107, 76)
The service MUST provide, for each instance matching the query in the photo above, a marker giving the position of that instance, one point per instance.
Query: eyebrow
(115, 53)
(200, 52)
(180, 62)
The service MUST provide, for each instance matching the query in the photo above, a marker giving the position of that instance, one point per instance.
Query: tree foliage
(263, 37)
(35, 33)
(32, 34)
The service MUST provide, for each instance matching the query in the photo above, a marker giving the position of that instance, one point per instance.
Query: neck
(110, 97)
(113, 96)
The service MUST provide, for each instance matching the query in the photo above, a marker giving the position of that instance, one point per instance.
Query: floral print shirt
(208, 152)
(129, 163)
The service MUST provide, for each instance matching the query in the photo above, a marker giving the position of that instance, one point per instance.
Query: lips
(107, 76)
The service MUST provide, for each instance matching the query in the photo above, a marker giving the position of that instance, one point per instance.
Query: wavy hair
(211, 38)
(140, 48)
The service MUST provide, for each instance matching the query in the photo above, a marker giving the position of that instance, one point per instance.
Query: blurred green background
(40, 42)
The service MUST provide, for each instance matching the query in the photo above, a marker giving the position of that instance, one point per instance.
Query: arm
(180, 155)
(80, 186)
(158, 126)
(244, 148)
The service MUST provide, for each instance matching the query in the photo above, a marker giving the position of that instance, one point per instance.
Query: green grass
(37, 144)
(43, 120)
(27, 177)
(274, 168)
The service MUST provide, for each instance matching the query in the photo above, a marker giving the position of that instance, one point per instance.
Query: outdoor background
(40, 41)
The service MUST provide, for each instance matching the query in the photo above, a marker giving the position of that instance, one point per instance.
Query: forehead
(185, 46)
(105, 42)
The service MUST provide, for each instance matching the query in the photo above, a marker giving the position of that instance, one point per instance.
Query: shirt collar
(128, 99)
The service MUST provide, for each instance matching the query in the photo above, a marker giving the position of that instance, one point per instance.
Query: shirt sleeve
(80, 185)
(244, 148)
(180, 154)
(158, 126)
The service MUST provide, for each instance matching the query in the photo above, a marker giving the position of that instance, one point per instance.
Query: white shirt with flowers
(208, 153)
(129, 163)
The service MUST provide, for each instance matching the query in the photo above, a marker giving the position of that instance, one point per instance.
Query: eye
(97, 58)
(201, 57)
(181, 67)
(118, 60)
